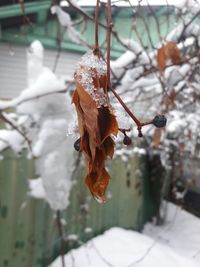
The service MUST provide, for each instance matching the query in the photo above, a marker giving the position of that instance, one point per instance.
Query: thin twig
(187, 25)
(15, 102)
(25, 17)
(60, 230)
(154, 243)
(86, 16)
(100, 256)
(3, 117)
(58, 53)
(109, 30)
(133, 117)
(96, 25)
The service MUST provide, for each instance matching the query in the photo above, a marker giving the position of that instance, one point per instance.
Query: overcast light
(178, 3)
(135, 2)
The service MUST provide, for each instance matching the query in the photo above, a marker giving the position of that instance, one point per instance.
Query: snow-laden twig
(15, 127)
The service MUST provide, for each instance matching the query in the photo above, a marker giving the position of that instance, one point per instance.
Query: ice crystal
(89, 68)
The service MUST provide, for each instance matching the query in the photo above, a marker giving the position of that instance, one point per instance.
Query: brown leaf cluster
(96, 125)
(168, 52)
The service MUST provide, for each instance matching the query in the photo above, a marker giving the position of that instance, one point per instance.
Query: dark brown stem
(96, 25)
(109, 30)
(146, 123)
(133, 117)
(124, 130)
(86, 16)
(137, 122)
(60, 39)
(60, 230)
(25, 17)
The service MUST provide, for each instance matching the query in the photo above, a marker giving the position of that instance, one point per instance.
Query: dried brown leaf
(168, 53)
(96, 125)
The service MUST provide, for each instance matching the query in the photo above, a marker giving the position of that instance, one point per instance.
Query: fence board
(28, 232)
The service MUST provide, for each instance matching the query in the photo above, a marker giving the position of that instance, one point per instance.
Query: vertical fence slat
(29, 235)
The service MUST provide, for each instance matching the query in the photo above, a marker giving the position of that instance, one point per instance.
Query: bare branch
(62, 240)
(5, 119)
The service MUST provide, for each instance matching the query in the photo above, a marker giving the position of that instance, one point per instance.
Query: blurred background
(45, 208)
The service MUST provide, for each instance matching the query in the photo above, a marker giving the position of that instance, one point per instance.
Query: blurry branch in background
(145, 59)
(5, 119)
(26, 19)
(4, 105)
(187, 24)
(61, 235)
(88, 17)
(170, 87)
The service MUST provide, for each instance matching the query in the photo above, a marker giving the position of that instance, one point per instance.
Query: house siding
(13, 72)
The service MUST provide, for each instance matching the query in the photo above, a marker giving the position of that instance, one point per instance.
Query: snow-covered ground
(180, 232)
(175, 244)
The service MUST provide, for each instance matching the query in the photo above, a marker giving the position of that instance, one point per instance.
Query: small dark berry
(127, 141)
(77, 144)
(159, 121)
(140, 134)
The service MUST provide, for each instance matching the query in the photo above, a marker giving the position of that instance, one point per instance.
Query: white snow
(46, 84)
(180, 232)
(36, 188)
(48, 120)
(52, 147)
(179, 3)
(192, 30)
(90, 67)
(55, 168)
(11, 138)
(52, 132)
(47, 117)
(42, 83)
(63, 17)
(122, 117)
(175, 244)
(35, 54)
(72, 237)
(65, 20)
(123, 60)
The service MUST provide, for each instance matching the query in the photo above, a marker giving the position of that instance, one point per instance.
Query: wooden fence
(28, 231)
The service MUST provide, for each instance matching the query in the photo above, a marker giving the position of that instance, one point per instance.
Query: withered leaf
(96, 122)
(168, 52)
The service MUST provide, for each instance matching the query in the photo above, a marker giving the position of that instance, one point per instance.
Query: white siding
(13, 68)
